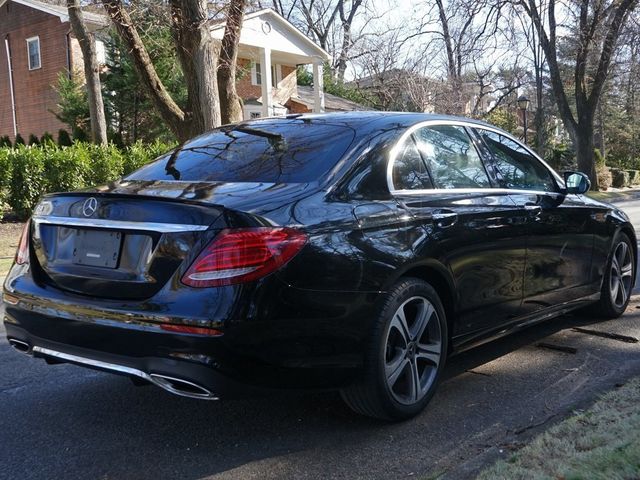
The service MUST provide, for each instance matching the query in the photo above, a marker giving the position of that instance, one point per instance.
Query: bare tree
(198, 57)
(230, 103)
(599, 23)
(330, 23)
(91, 71)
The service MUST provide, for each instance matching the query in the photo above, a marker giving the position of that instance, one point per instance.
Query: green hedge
(27, 172)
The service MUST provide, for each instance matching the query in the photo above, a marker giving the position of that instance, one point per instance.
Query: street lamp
(523, 104)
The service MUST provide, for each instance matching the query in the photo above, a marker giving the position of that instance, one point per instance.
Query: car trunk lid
(117, 245)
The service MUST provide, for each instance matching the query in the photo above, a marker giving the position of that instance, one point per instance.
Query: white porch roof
(267, 29)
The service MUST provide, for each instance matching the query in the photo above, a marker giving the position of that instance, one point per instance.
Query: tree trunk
(197, 55)
(347, 40)
(583, 142)
(170, 112)
(91, 72)
(230, 103)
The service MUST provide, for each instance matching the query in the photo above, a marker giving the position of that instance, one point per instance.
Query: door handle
(534, 211)
(444, 218)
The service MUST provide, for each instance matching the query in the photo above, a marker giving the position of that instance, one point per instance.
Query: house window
(257, 75)
(255, 115)
(33, 52)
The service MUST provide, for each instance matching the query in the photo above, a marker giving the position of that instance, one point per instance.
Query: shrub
(604, 177)
(47, 138)
(27, 179)
(5, 180)
(64, 140)
(620, 178)
(33, 140)
(66, 169)
(634, 177)
(602, 172)
(18, 140)
(26, 173)
(138, 154)
(106, 163)
(5, 141)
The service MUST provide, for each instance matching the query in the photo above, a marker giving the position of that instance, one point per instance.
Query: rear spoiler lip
(117, 224)
(132, 196)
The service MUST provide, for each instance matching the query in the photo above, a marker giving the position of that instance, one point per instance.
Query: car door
(559, 226)
(439, 177)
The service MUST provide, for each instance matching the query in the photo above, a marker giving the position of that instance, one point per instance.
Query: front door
(559, 226)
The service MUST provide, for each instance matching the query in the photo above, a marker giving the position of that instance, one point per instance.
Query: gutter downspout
(68, 45)
(13, 95)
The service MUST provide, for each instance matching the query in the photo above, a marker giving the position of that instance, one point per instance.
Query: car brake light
(22, 254)
(212, 332)
(242, 255)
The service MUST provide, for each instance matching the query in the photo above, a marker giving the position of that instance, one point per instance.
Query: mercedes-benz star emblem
(89, 206)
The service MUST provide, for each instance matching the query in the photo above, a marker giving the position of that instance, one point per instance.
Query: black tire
(371, 395)
(607, 306)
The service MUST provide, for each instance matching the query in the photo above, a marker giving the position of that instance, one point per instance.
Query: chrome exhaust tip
(184, 388)
(19, 345)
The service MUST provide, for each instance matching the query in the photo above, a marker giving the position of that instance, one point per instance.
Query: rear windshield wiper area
(276, 140)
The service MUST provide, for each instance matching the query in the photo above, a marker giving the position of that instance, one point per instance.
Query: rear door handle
(534, 211)
(444, 218)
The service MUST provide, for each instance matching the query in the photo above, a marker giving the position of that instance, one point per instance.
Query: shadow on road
(67, 422)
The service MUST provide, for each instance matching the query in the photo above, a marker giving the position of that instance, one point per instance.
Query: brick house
(37, 44)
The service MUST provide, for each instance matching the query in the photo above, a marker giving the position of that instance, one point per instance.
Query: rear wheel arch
(439, 278)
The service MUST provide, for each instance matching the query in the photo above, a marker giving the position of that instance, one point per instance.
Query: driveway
(66, 422)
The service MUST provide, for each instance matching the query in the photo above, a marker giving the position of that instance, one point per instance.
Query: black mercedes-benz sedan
(352, 251)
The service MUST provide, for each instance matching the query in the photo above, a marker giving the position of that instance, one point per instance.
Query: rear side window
(409, 171)
(518, 169)
(269, 151)
(451, 158)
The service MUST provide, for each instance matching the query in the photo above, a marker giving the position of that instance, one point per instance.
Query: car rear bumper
(179, 370)
(248, 356)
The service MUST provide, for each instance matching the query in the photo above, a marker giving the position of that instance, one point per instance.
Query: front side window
(518, 169)
(33, 52)
(409, 170)
(451, 159)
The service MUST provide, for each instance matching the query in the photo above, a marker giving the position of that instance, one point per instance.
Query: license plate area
(97, 248)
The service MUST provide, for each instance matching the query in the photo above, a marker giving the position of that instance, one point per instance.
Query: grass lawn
(602, 442)
(9, 238)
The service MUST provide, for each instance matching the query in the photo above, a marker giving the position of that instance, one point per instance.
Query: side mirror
(577, 182)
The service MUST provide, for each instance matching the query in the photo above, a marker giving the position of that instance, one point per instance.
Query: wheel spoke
(615, 265)
(627, 270)
(422, 320)
(615, 287)
(400, 322)
(414, 388)
(429, 352)
(394, 373)
(623, 292)
(622, 253)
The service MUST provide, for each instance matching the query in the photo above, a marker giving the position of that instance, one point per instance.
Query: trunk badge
(89, 206)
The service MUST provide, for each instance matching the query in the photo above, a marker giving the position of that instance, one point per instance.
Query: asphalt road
(67, 422)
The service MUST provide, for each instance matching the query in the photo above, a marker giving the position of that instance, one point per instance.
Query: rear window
(269, 151)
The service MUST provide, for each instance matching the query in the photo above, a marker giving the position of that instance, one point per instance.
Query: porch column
(318, 87)
(265, 74)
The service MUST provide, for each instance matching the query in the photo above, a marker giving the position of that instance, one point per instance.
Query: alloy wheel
(621, 274)
(413, 350)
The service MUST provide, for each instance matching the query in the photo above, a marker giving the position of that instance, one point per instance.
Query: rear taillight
(22, 255)
(242, 255)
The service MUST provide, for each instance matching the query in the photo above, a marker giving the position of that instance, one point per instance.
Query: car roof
(365, 121)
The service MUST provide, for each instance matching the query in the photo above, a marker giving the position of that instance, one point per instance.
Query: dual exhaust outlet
(177, 386)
